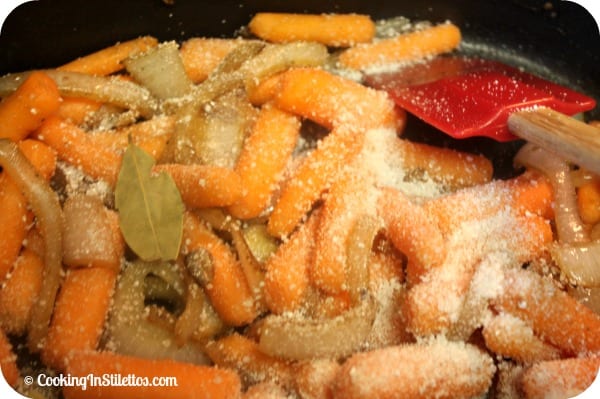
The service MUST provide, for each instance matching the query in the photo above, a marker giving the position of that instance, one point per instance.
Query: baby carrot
(334, 101)
(314, 378)
(23, 111)
(565, 378)
(8, 361)
(41, 156)
(167, 378)
(588, 201)
(204, 186)
(200, 55)
(555, 316)
(227, 288)
(79, 314)
(265, 91)
(340, 30)
(110, 59)
(403, 48)
(76, 109)
(19, 292)
(263, 158)
(77, 147)
(286, 272)
(312, 178)
(13, 223)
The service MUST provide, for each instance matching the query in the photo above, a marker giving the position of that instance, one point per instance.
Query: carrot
(41, 156)
(79, 314)
(403, 48)
(204, 186)
(588, 201)
(555, 316)
(245, 356)
(312, 178)
(77, 147)
(77, 109)
(286, 272)
(565, 378)
(23, 111)
(227, 288)
(19, 292)
(339, 30)
(512, 337)
(265, 390)
(437, 368)
(264, 156)
(265, 90)
(314, 378)
(165, 378)
(8, 361)
(13, 223)
(200, 55)
(110, 59)
(334, 101)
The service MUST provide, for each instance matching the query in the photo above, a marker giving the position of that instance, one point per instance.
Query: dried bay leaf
(150, 207)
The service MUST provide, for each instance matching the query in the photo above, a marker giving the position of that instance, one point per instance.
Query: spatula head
(466, 97)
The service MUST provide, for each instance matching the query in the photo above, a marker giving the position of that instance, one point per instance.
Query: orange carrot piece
(555, 316)
(263, 159)
(167, 378)
(266, 90)
(286, 271)
(265, 390)
(201, 55)
(204, 186)
(334, 101)
(588, 201)
(438, 368)
(8, 361)
(110, 59)
(565, 378)
(19, 292)
(312, 178)
(23, 111)
(77, 147)
(41, 156)
(13, 223)
(314, 378)
(340, 30)
(79, 314)
(403, 48)
(228, 289)
(76, 109)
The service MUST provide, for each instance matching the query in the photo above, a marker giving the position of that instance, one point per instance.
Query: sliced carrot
(41, 156)
(555, 316)
(201, 55)
(588, 201)
(77, 109)
(204, 186)
(79, 314)
(314, 378)
(286, 271)
(265, 154)
(340, 30)
(245, 356)
(110, 59)
(334, 101)
(312, 178)
(13, 223)
(77, 147)
(23, 111)
(227, 288)
(8, 361)
(565, 378)
(165, 378)
(266, 90)
(19, 292)
(403, 48)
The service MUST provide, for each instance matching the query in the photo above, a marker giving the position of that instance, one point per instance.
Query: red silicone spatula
(467, 97)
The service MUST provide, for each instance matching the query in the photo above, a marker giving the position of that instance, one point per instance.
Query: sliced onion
(579, 262)
(129, 330)
(298, 338)
(46, 207)
(261, 243)
(360, 242)
(569, 226)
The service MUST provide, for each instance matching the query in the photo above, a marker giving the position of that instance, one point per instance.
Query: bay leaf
(150, 207)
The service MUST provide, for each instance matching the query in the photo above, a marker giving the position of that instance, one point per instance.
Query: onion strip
(46, 207)
(580, 262)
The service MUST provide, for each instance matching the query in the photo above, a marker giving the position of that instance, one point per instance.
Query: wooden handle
(567, 137)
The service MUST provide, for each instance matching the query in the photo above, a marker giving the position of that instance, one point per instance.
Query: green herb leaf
(150, 208)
